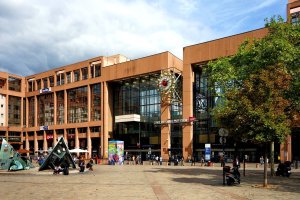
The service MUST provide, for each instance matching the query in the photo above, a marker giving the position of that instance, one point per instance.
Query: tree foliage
(261, 84)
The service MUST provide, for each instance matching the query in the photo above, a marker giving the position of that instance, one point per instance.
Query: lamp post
(223, 133)
(244, 140)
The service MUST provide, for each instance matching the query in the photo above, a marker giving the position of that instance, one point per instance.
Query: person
(182, 161)
(194, 161)
(57, 169)
(160, 160)
(90, 164)
(261, 160)
(222, 161)
(236, 162)
(81, 164)
(202, 161)
(41, 160)
(133, 159)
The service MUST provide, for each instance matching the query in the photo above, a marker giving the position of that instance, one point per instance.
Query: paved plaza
(145, 182)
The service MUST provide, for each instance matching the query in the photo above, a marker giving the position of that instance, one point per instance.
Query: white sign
(172, 121)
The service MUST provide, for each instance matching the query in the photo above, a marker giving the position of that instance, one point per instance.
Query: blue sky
(39, 35)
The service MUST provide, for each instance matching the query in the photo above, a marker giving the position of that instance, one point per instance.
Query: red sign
(49, 137)
(191, 119)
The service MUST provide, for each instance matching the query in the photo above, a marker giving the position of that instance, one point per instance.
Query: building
(88, 103)
(158, 104)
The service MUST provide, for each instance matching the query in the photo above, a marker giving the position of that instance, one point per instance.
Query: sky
(40, 35)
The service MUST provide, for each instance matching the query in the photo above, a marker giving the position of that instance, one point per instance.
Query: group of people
(64, 167)
(82, 165)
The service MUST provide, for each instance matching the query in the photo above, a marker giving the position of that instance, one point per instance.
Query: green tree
(261, 86)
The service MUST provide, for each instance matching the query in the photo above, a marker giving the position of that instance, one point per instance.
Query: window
(68, 75)
(60, 107)
(31, 111)
(77, 75)
(77, 105)
(45, 110)
(95, 102)
(51, 80)
(14, 84)
(45, 82)
(295, 17)
(84, 72)
(1, 105)
(60, 78)
(14, 111)
(95, 69)
(31, 85)
(38, 84)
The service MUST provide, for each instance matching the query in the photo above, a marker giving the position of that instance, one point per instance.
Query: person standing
(261, 160)
(202, 161)
(160, 160)
(81, 164)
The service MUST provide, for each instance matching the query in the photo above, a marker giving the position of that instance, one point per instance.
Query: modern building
(88, 103)
(158, 104)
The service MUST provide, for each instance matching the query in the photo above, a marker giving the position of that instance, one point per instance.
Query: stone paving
(145, 182)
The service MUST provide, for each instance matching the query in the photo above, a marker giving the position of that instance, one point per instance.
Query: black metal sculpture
(59, 156)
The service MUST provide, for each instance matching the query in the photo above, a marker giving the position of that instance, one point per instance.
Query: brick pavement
(145, 182)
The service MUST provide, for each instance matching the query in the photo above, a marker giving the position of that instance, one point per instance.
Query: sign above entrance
(128, 118)
(173, 121)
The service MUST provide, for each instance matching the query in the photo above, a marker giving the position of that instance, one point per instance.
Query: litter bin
(208, 163)
(297, 164)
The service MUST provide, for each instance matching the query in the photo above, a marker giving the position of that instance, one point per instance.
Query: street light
(223, 133)
(244, 140)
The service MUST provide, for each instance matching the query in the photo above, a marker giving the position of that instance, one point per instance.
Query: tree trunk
(272, 159)
(265, 167)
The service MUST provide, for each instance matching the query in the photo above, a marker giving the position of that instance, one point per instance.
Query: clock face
(164, 83)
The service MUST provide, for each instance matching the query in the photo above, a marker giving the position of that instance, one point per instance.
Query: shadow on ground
(253, 178)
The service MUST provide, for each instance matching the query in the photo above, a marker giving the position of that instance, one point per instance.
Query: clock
(166, 82)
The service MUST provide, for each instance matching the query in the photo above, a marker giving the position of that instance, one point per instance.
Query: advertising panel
(207, 152)
(116, 152)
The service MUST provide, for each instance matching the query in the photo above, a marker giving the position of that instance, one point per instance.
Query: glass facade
(60, 102)
(14, 111)
(77, 105)
(138, 96)
(31, 110)
(205, 98)
(96, 102)
(45, 110)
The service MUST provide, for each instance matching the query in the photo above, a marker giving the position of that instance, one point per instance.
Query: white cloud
(36, 35)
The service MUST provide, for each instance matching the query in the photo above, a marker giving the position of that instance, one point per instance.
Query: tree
(261, 86)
